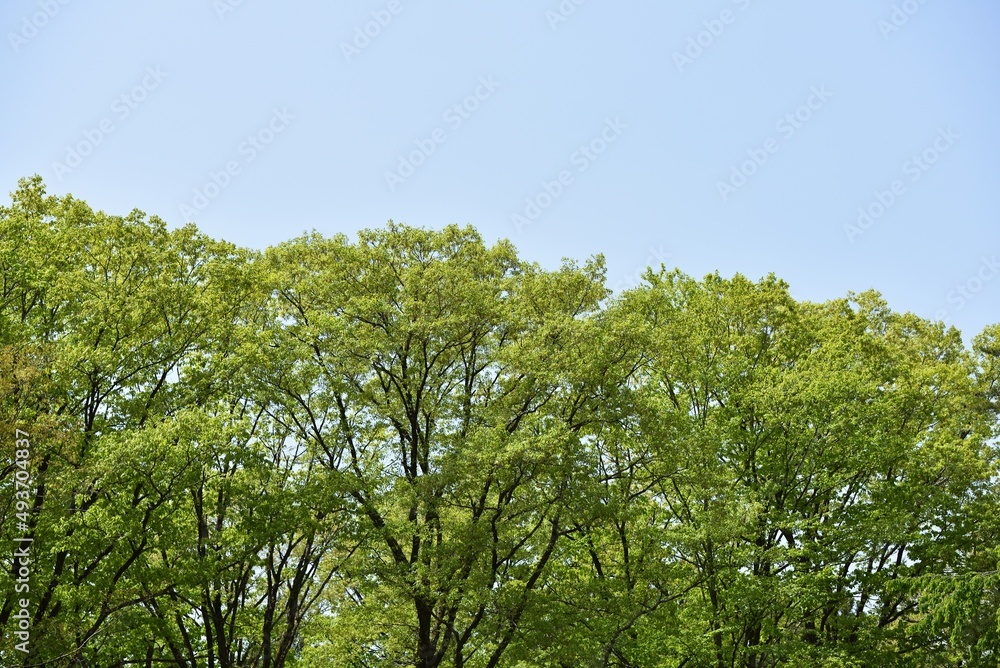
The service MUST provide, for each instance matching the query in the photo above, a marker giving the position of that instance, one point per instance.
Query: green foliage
(416, 449)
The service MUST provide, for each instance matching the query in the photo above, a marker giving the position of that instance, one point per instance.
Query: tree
(961, 606)
(415, 449)
(812, 455)
(447, 386)
(150, 456)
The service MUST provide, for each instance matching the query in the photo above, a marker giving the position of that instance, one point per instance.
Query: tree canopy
(416, 449)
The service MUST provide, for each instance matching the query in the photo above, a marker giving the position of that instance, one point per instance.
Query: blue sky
(737, 135)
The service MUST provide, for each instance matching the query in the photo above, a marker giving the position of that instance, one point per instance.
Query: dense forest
(416, 449)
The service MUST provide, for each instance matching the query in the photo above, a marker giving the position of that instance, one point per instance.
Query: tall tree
(415, 449)
(150, 454)
(447, 386)
(812, 456)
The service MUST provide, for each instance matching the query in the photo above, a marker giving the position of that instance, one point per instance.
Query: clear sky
(738, 135)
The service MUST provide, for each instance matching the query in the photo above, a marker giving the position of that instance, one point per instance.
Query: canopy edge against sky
(841, 146)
